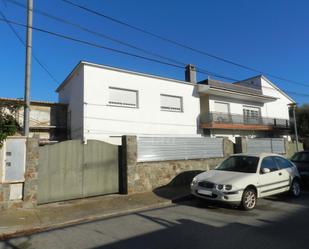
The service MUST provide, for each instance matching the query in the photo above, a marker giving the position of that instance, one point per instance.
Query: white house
(105, 103)
(254, 107)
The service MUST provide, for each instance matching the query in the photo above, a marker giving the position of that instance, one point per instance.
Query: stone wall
(146, 176)
(31, 173)
(29, 199)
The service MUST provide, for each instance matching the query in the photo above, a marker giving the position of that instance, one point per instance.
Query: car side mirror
(265, 170)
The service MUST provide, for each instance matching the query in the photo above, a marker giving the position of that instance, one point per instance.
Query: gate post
(128, 165)
(31, 173)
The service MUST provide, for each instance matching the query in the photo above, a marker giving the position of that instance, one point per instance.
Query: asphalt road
(277, 222)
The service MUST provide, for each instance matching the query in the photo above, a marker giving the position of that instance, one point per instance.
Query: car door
(285, 168)
(272, 182)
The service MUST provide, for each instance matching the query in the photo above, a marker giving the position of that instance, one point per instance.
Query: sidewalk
(27, 221)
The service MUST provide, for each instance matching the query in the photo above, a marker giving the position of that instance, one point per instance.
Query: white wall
(232, 134)
(275, 109)
(236, 106)
(72, 94)
(278, 108)
(2, 163)
(103, 121)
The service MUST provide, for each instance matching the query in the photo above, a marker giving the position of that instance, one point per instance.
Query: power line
(108, 48)
(62, 20)
(23, 43)
(85, 29)
(90, 43)
(180, 44)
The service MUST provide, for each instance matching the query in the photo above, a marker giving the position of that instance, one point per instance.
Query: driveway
(278, 222)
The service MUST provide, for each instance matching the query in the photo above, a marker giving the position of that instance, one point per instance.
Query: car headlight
(220, 186)
(194, 181)
(228, 187)
(224, 187)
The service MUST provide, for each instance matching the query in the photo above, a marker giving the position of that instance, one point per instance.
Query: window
(171, 103)
(245, 164)
(251, 115)
(222, 111)
(123, 97)
(269, 163)
(222, 107)
(300, 157)
(283, 163)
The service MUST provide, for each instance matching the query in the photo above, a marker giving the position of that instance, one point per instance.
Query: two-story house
(106, 103)
(254, 107)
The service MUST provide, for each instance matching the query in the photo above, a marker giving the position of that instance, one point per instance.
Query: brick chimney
(190, 73)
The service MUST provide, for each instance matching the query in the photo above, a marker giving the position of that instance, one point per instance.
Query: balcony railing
(237, 119)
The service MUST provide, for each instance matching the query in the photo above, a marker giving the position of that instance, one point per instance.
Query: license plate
(204, 192)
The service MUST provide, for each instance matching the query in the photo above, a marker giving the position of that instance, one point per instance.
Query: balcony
(216, 120)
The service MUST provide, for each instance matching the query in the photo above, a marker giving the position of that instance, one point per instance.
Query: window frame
(122, 105)
(173, 96)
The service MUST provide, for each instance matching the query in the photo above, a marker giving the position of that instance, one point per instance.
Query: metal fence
(230, 118)
(178, 148)
(266, 145)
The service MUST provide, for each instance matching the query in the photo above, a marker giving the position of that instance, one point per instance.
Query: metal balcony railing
(230, 118)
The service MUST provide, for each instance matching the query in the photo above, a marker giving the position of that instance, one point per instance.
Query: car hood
(226, 177)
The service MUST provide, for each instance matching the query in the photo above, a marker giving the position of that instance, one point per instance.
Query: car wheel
(295, 188)
(249, 199)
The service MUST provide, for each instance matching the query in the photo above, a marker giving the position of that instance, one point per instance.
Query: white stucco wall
(236, 106)
(109, 123)
(274, 109)
(278, 108)
(73, 94)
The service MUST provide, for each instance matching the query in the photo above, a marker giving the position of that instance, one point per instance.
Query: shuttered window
(221, 107)
(123, 97)
(171, 103)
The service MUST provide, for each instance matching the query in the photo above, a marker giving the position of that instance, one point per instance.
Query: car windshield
(244, 164)
(300, 157)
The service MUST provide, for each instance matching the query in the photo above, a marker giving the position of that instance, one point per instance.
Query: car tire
(295, 188)
(249, 199)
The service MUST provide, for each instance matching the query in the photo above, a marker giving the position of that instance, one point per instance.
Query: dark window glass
(245, 164)
(283, 163)
(269, 162)
(301, 157)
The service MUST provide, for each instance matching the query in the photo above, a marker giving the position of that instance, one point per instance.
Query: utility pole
(28, 68)
(293, 106)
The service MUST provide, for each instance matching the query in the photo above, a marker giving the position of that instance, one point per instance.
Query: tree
(8, 123)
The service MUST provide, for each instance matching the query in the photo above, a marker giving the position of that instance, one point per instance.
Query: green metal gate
(70, 170)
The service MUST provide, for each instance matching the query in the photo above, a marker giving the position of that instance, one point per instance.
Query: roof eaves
(244, 93)
(277, 88)
(69, 76)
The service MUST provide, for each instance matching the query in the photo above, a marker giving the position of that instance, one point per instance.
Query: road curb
(44, 228)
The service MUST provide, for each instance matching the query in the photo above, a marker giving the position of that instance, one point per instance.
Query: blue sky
(271, 36)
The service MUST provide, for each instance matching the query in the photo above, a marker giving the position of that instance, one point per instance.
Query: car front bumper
(233, 196)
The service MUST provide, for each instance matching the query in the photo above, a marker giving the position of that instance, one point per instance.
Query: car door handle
(280, 174)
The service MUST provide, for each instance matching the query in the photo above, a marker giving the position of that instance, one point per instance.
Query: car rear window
(244, 164)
